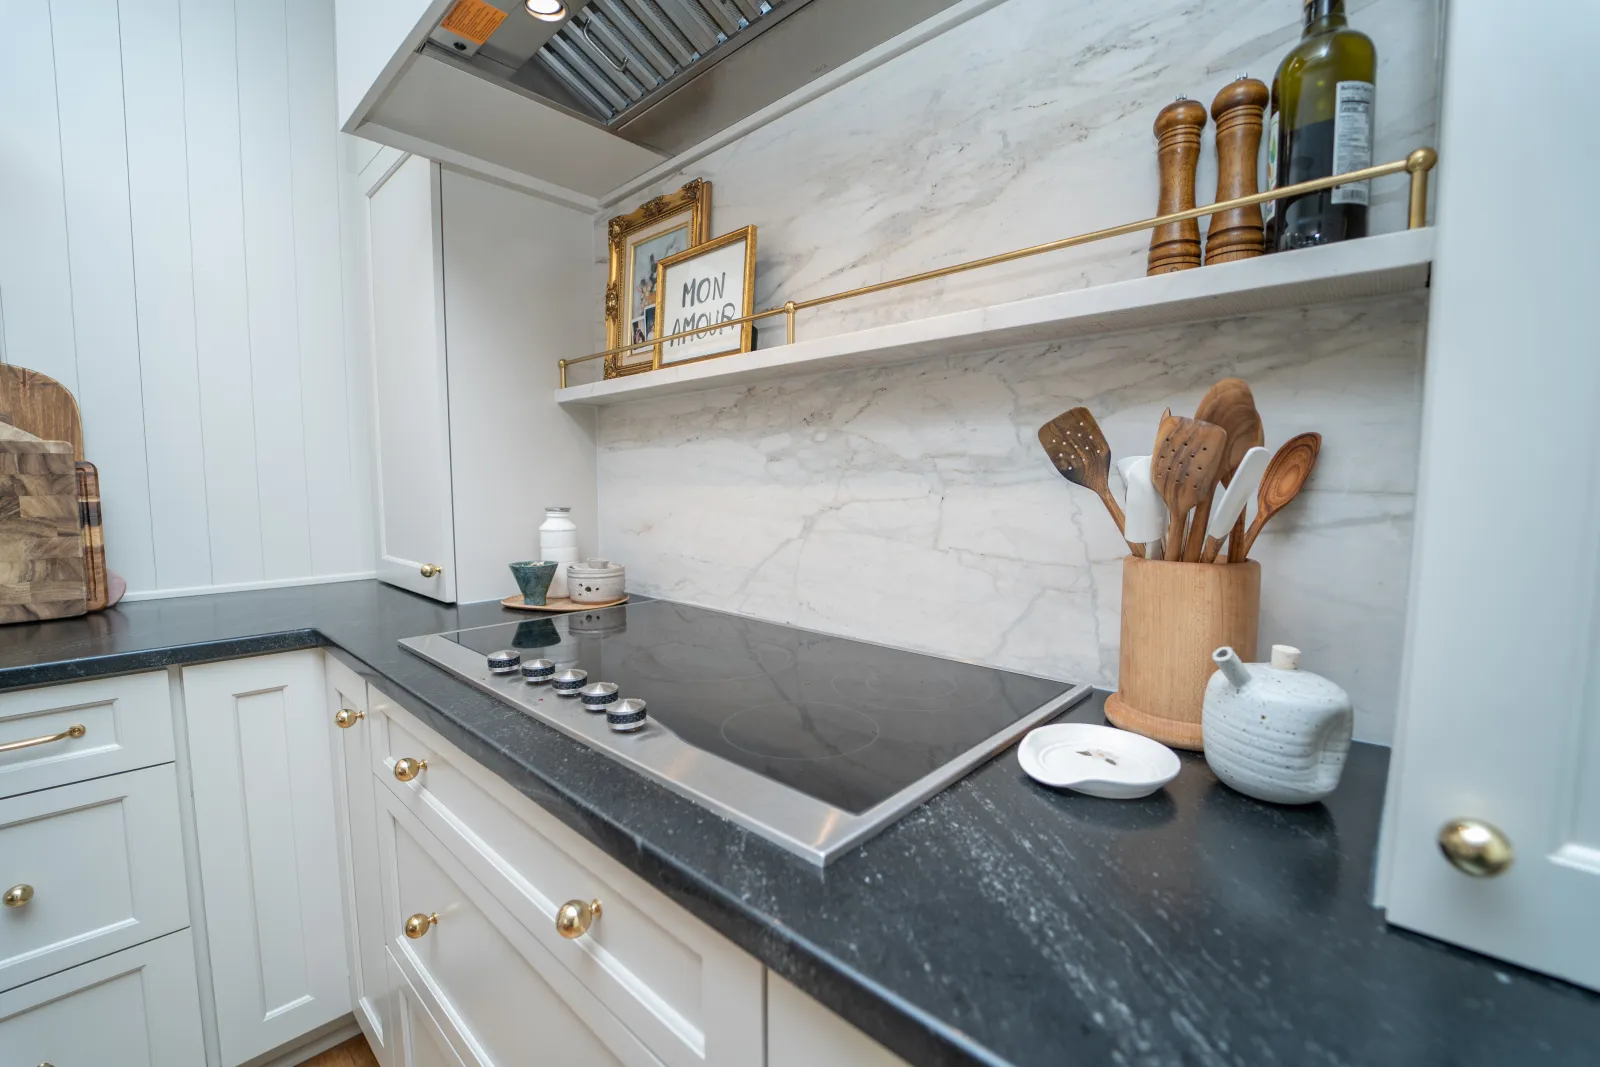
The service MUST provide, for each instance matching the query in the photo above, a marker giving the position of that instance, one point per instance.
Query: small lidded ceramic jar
(595, 581)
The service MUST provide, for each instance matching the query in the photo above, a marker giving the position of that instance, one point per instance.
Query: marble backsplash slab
(1029, 122)
(911, 505)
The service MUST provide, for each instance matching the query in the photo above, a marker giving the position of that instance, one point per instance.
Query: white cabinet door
(127, 723)
(357, 823)
(103, 861)
(135, 1008)
(1500, 707)
(415, 518)
(801, 1032)
(269, 863)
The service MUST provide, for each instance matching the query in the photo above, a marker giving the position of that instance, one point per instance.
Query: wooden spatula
(1078, 450)
(1290, 467)
(1230, 405)
(1184, 467)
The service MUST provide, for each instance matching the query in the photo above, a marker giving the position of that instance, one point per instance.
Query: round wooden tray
(556, 605)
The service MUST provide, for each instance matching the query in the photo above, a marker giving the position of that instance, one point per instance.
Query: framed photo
(640, 240)
(701, 287)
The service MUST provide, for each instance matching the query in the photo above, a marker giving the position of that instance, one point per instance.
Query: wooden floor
(353, 1053)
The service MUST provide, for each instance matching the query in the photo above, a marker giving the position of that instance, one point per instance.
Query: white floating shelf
(1351, 270)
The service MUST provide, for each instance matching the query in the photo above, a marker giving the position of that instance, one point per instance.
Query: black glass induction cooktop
(815, 742)
(843, 721)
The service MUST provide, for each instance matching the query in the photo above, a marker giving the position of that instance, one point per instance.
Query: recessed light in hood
(546, 10)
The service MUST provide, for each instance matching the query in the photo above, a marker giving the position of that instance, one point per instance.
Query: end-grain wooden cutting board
(42, 564)
(43, 407)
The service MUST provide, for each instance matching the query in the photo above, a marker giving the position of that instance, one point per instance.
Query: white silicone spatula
(1144, 516)
(1246, 480)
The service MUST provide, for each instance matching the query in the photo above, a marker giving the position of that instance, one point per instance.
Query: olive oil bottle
(1321, 124)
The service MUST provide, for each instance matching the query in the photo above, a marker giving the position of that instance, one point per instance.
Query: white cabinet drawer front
(496, 995)
(135, 1008)
(127, 724)
(104, 860)
(691, 995)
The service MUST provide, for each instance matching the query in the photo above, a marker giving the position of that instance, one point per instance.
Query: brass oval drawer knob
(406, 768)
(18, 895)
(574, 918)
(431, 570)
(345, 718)
(420, 924)
(1475, 848)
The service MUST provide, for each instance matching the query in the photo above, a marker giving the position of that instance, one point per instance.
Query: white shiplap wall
(174, 226)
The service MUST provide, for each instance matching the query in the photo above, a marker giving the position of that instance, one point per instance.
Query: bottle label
(1352, 138)
(1271, 206)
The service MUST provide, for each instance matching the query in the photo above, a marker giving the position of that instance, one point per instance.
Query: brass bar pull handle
(75, 730)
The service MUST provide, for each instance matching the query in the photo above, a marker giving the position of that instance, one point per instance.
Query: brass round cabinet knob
(431, 570)
(1475, 848)
(18, 895)
(574, 918)
(345, 718)
(420, 924)
(406, 768)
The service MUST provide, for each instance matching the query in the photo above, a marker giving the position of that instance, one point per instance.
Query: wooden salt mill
(1176, 245)
(1236, 233)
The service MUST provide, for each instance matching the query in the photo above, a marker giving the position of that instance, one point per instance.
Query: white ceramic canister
(1273, 731)
(595, 581)
(558, 542)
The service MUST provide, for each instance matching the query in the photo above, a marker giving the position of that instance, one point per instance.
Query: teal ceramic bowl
(533, 578)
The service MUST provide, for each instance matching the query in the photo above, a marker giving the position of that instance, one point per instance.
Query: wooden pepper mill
(1176, 245)
(1236, 233)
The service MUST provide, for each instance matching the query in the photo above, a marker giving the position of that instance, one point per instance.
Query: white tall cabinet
(477, 288)
(1500, 713)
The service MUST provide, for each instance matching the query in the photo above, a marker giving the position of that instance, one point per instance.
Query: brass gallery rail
(1417, 164)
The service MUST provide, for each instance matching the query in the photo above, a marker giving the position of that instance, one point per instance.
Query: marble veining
(1029, 122)
(912, 505)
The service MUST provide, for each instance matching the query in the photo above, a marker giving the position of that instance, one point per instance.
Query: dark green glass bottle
(1320, 123)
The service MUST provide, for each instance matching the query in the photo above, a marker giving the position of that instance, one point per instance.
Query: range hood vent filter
(615, 54)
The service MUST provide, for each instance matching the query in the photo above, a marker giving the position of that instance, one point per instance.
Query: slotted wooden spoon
(1230, 405)
(1286, 474)
(1078, 450)
(1185, 466)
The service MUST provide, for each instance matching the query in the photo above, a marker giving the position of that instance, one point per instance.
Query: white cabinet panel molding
(262, 779)
(357, 824)
(103, 860)
(135, 1008)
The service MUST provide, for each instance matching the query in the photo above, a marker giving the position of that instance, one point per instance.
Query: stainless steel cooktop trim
(802, 824)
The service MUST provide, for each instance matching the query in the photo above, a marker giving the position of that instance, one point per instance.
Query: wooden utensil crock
(1174, 615)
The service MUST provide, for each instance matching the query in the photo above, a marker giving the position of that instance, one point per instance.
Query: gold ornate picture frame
(701, 287)
(661, 227)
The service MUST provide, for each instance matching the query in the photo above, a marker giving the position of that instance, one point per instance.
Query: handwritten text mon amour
(700, 292)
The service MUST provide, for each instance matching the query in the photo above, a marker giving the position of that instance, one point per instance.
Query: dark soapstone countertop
(999, 923)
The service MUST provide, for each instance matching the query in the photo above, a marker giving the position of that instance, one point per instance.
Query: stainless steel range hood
(667, 74)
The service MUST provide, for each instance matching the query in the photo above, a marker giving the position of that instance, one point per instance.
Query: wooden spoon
(1185, 465)
(1290, 467)
(1078, 449)
(1230, 405)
